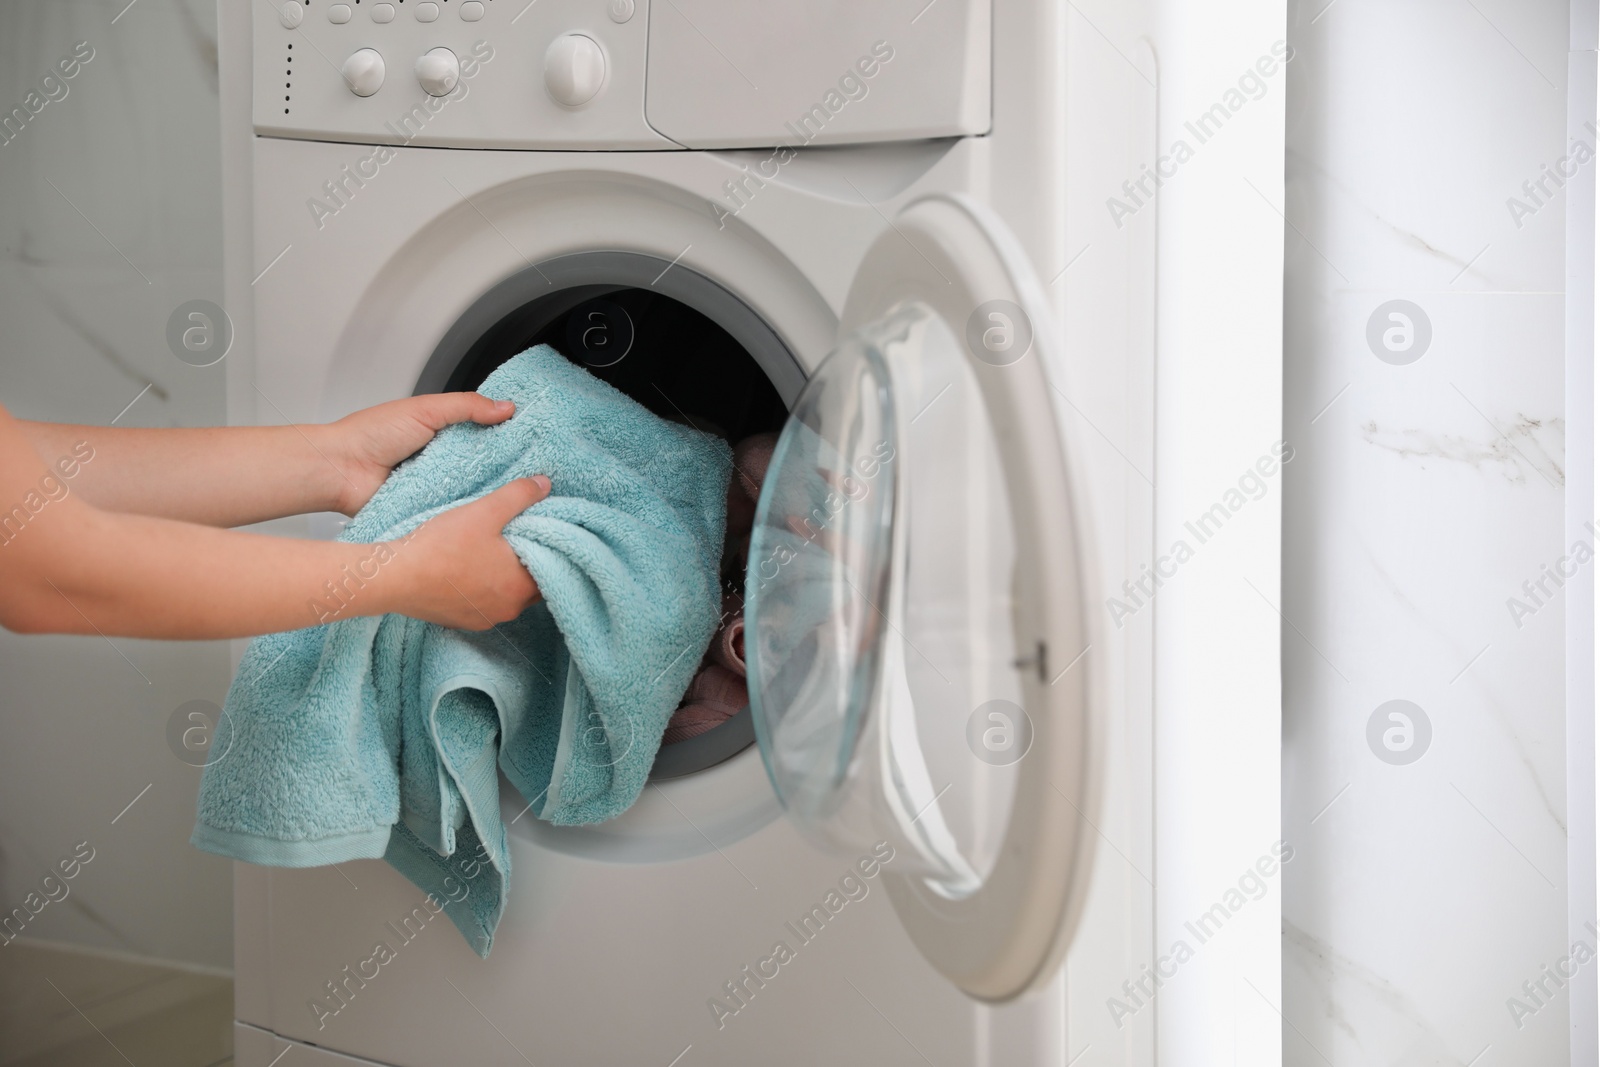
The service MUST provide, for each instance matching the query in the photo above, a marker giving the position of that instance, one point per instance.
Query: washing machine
(921, 843)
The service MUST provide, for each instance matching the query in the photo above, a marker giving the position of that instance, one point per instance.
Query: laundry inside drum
(680, 365)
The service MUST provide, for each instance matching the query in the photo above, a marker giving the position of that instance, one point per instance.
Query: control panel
(455, 73)
(620, 74)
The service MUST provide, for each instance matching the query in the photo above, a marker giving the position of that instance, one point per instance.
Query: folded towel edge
(275, 852)
(424, 868)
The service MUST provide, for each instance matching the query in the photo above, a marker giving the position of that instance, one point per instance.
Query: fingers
(513, 498)
(488, 412)
(443, 409)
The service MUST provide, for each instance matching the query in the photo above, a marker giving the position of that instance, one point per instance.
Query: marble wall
(110, 217)
(1424, 398)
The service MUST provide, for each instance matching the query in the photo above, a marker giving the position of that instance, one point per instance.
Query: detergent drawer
(731, 74)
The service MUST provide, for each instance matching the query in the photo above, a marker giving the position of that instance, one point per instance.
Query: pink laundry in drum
(751, 457)
(727, 648)
(719, 692)
(714, 697)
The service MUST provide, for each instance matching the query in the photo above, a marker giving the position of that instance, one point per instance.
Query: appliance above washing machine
(627, 74)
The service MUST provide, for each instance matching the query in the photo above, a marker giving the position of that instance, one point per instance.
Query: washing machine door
(916, 618)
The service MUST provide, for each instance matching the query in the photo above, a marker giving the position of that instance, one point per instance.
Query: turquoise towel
(373, 737)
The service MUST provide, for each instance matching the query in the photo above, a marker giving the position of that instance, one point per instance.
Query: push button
(339, 14)
(383, 13)
(471, 11)
(291, 14)
(427, 12)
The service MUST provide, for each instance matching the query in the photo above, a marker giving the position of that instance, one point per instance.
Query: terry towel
(370, 737)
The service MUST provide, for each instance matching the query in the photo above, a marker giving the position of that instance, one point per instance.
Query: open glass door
(917, 632)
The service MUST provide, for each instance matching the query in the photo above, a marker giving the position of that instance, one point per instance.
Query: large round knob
(438, 70)
(574, 69)
(363, 72)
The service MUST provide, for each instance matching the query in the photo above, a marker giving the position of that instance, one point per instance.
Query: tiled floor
(66, 1007)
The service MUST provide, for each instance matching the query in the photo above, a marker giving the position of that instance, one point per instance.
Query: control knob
(574, 69)
(363, 71)
(438, 71)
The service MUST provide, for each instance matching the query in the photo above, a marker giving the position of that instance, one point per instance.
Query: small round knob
(438, 71)
(574, 70)
(291, 14)
(363, 71)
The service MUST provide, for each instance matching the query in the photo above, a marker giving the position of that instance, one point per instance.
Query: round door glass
(819, 563)
(879, 624)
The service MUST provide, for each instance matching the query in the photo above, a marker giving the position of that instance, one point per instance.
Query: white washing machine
(909, 863)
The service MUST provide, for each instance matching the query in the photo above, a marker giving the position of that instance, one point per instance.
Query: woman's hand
(366, 445)
(68, 565)
(458, 571)
(238, 475)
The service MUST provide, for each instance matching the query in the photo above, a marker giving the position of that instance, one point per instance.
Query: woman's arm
(67, 566)
(234, 476)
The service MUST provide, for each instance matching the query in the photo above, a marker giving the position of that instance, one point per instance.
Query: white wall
(1423, 496)
(1219, 376)
(133, 146)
